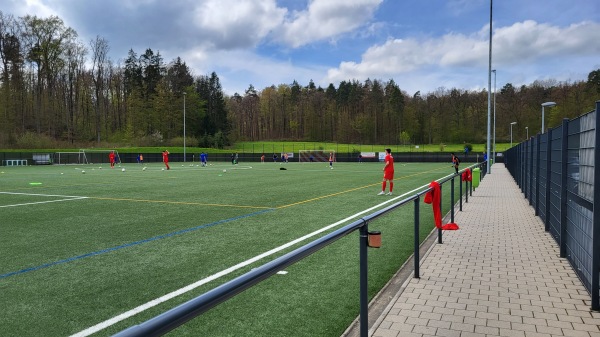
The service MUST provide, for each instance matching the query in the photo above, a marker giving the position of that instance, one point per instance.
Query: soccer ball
(224, 170)
(82, 171)
(163, 169)
(100, 168)
(144, 169)
(123, 169)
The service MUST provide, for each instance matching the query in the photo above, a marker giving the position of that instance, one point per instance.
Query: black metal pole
(441, 210)
(548, 177)
(596, 220)
(416, 254)
(537, 174)
(452, 200)
(530, 171)
(364, 294)
(563, 186)
(460, 192)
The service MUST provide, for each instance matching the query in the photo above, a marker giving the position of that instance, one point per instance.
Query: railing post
(471, 188)
(416, 253)
(548, 176)
(460, 192)
(441, 210)
(596, 219)
(467, 190)
(452, 200)
(364, 294)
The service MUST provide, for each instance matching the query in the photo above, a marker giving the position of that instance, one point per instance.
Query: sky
(422, 45)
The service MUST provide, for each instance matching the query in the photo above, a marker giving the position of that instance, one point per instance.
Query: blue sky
(423, 45)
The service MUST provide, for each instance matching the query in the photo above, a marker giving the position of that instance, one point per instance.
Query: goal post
(319, 156)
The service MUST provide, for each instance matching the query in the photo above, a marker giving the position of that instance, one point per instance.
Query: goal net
(70, 158)
(84, 156)
(100, 156)
(319, 156)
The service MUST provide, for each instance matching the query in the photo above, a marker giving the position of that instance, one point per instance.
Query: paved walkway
(499, 275)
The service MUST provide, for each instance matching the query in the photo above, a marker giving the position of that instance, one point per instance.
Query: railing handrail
(165, 322)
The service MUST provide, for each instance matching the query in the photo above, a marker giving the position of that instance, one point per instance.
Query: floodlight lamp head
(513, 123)
(548, 104)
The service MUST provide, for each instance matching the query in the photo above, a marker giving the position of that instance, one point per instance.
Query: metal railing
(169, 320)
(557, 171)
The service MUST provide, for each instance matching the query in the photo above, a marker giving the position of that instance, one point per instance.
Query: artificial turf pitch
(78, 249)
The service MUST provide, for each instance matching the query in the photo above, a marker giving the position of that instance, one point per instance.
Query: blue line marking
(131, 244)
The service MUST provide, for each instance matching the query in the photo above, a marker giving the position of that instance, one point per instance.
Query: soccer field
(96, 252)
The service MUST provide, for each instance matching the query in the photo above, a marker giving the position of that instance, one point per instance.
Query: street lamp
(184, 126)
(494, 147)
(527, 130)
(511, 124)
(547, 104)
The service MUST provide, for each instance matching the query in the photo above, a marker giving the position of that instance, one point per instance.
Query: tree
(99, 47)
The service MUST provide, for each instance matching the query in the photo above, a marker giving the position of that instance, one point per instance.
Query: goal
(100, 156)
(84, 156)
(319, 156)
(70, 158)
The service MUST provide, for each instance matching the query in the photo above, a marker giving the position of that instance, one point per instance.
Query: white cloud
(325, 19)
(513, 45)
(231, 24)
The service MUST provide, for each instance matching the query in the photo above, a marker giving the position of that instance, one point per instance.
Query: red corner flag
(433, 197)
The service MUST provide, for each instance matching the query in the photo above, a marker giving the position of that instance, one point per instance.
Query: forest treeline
(58, 91)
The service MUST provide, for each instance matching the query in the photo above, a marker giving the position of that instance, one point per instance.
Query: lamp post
(184, 126)
(511, 124)
(494, 147)
(527, 131)
(547, 104)
(489, 94)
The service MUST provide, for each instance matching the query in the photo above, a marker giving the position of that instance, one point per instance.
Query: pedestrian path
(498, 275)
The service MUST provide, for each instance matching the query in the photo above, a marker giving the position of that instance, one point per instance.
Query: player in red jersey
(166, 158)
(111, 159)
(388, 172)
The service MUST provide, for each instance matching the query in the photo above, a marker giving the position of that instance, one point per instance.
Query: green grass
(219, 220)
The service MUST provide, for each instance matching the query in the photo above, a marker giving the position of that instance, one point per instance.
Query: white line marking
(43, 202)
(164, 298)
(44, 195)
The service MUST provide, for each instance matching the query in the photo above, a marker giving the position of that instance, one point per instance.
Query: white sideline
(164, 298)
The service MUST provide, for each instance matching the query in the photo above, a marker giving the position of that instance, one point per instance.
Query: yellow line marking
(179, 202)
(354, 189)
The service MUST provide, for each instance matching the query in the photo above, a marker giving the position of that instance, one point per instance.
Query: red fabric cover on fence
(467, 176)
(433, 197)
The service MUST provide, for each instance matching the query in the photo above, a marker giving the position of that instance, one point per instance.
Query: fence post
(548, 174)
(530, 171)
(596, 219)
(364, 294)
(537, 175)
(563, 186)
(416, 253)
(525, 146)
